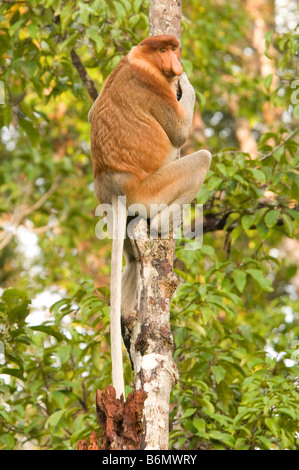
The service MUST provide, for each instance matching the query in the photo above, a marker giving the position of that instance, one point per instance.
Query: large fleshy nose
(176, 66)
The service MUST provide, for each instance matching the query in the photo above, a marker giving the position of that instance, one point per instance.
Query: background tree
(235, 314)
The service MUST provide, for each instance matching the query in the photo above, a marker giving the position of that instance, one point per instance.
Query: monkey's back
(125, 137)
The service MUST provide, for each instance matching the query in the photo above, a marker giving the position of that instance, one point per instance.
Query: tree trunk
(150, 338)
(165, 17)
(146, 330)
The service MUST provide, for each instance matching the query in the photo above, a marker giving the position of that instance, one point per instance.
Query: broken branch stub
(120, 421)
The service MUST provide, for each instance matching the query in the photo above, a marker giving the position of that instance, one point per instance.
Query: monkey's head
(163, 52)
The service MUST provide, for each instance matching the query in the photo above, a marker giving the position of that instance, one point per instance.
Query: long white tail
(119, 228)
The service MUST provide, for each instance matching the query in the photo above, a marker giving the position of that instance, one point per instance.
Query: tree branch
(22, 211)
(295, 131)
(280, 145)
(87, 81)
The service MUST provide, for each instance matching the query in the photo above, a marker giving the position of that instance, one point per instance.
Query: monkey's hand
(187, 100)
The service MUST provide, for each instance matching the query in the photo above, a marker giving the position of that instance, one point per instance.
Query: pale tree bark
(149, 331)
(146, 330)
(148, 327)
(165, 17)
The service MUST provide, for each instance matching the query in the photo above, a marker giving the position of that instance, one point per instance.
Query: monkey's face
(170, 61)
(163, 52)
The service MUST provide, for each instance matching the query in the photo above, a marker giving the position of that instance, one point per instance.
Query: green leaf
(214, 182)
(189, 412)
(219, 373)
(200, 425)
(119, 9)
(69, 42)
(84, 13)
(93, 33)
(240, 279)
(54, 419)
(49, 330)
(273, 425)
(78, 429)
(294, 214)
(268, 38)
(286, 442)
(268, 81)
(58, 397)
(134, 20)
(244, 414)
(16, 26)
(12, 296)
(261, 280)
(30, 130)
(237, 231)
(272, 217)
(65, 17)
(14, 372)
(33, 29)
(208, 250)
(288, 225)
(263, 231)
(207, 404)
(18, 305)
(137, 4)
(64, 353)
(259, 215)
(8, 441)
(203, 194)
(201, 98)
(247, 221)
(55, 308)
(258, 174)
(265, 441)
(240, 179)
(226, 438)
(246, 332)
(278, 153)
(289, 412)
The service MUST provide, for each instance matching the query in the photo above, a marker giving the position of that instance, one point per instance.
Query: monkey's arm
(176, 120)
(187, 100)
(92, 109)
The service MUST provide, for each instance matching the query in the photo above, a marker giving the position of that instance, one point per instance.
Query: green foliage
(235, 315)
(234, 391)
(51, 371)
(236, 347)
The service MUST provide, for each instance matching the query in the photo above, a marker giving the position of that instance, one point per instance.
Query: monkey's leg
(174, 183)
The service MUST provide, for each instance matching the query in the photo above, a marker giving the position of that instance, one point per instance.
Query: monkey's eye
(173, 48)
(163, 50)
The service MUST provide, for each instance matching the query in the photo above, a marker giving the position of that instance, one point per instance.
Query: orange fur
(137, 125)
(125, 134)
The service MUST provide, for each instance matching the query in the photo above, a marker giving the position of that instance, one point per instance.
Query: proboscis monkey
(137, 126)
